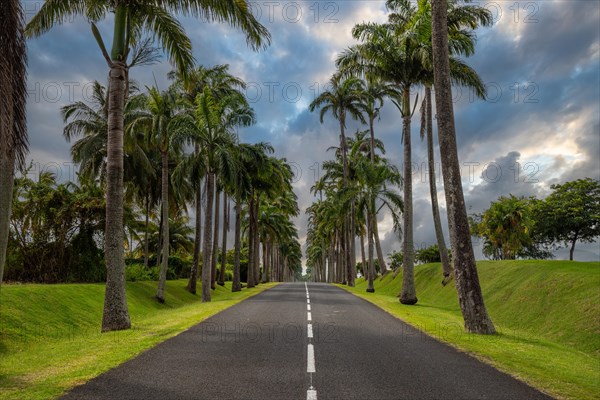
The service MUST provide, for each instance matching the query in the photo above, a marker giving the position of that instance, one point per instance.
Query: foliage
(138, 272)
(528, 227)
(507, 230)
(56, 231)
(429, 254)
(570, 213)
(396, 259)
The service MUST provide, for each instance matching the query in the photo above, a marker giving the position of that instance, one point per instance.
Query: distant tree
(396, 259)
(430, 254)
(508, 229)
(570, 214)
(505, 227)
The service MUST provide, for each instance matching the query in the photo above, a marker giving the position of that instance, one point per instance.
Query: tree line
(136, 144)
(420, 46)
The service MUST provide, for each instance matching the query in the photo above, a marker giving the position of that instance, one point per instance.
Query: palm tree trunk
(363, 258)
(251, 260)
(256, 243)
(375, 229)
(159, 241)
(237, 285)
(340, 265)
(191, 286)
(371, 266)
(221, 280)
(207, 245)
(6, 194)
(470, 297)
(352, 239)
(146, 225)
(263, 279)
(162, 278)
(380, 257)
(215, 249)
(408, 294)
(115, 315)
(437, 223)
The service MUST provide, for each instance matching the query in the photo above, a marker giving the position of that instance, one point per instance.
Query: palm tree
(221, 83)
(89, 123)
(13, 127)
(211, 127)
(344, 98)
(376, 91)
(376, 181)
(470, 297)
(131, 18)
(162, 109)
(462, 42)
(384, 55)
(248, 159)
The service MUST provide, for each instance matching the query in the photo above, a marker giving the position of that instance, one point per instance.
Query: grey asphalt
(257, 349)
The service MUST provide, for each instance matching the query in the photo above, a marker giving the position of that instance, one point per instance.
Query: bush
(137, 272)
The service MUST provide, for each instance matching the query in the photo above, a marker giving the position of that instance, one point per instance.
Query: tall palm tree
(376, 91)
(461, 42)
(470, 296)
(221, 83)
(384, 55)
(376, 182)
(344, 98)
(248, 160)
(13, 127)
(162, 109)
(131, 18)
(211, 127)
(89, 124)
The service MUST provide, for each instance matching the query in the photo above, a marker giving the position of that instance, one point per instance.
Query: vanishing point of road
(303, 341)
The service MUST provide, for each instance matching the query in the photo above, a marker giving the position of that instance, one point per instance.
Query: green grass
(50, 335)
(547, 314)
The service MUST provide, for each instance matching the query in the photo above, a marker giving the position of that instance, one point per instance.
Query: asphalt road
(298, 341)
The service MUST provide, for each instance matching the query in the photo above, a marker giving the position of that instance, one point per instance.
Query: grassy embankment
(547, 313)
(50, 335)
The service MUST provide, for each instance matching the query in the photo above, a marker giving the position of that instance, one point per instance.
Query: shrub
(137, 272)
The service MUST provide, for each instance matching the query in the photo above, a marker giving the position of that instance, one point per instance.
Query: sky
(539, 126)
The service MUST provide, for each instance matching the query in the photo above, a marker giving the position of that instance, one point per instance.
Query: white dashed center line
(311, 393)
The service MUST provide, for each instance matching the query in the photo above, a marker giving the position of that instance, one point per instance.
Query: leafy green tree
(430, 254)
(571, 213)
(211, 126)
(506, 227)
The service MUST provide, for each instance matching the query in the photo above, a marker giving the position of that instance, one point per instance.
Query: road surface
(303, 341)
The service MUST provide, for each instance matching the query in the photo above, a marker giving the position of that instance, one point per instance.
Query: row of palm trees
(200, 113)
(371, 180)
(133, 21)
(418, 47)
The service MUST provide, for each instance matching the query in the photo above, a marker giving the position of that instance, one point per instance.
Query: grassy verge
(50, 335)
(547, 314)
